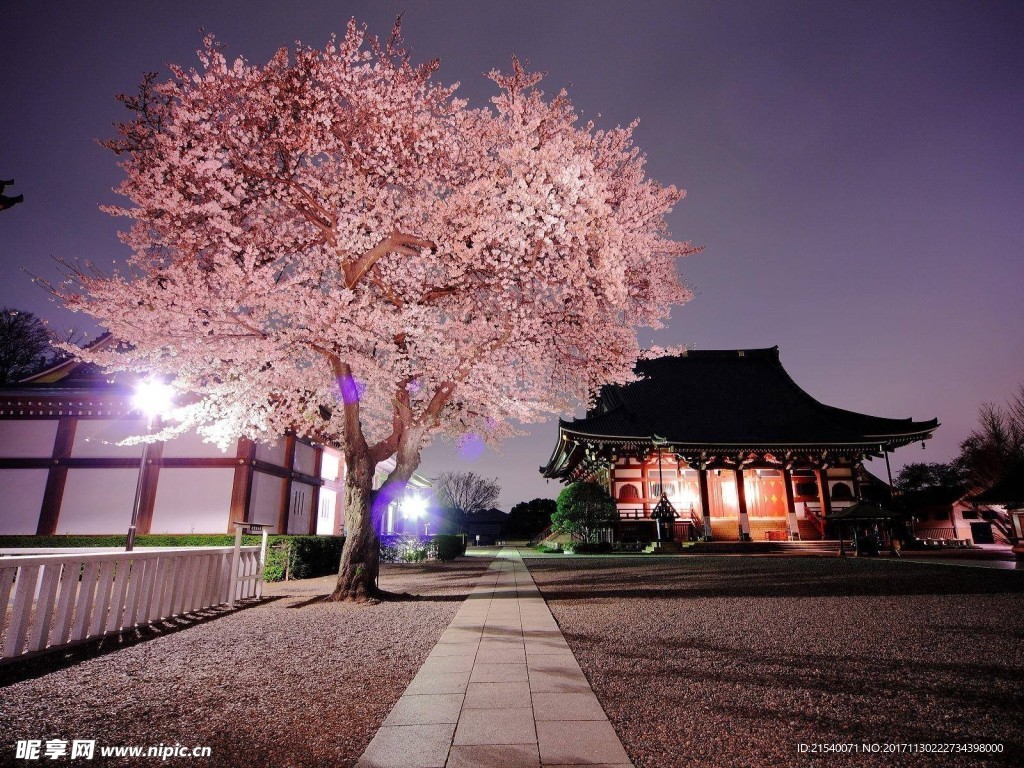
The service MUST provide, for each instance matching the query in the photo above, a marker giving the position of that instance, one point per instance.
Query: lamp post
(153, 398)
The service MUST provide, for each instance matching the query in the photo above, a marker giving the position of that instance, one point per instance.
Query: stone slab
(501, 726)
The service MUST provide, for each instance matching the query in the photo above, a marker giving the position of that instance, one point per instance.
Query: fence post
(262, 563)
(243, 527)
(235, 557)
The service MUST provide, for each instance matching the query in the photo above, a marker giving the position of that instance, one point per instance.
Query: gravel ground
(719, 661)
(287, 682)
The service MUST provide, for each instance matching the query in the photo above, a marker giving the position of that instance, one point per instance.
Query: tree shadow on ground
(20, 669)
(858, 674)
(775, 578)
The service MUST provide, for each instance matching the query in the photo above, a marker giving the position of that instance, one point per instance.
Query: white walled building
(63, 472)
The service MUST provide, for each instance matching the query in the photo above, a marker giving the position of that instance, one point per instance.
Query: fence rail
(47, 601)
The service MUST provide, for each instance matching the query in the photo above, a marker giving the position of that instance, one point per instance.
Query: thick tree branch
(396, 242)
(315, 213)
(401, 421)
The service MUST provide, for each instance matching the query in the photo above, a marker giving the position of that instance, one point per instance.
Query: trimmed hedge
(588, 547)
(119, 540)
(312, 556)
(448, 546)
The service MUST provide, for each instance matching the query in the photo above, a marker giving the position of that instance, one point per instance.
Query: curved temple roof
(724, 401)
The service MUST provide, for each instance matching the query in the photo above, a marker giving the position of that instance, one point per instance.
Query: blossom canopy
(335, 226)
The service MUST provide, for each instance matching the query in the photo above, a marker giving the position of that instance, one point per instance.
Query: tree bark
(364, 509)
(360, 558)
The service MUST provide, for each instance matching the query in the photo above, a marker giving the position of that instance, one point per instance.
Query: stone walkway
(501, 689)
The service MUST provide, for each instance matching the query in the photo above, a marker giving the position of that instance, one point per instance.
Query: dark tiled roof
(731, 397)
(724, 401)
(864, 510)
(1009, 490)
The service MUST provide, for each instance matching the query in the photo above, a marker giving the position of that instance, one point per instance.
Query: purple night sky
(855, 171)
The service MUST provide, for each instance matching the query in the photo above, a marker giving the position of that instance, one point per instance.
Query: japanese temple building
(733, 444)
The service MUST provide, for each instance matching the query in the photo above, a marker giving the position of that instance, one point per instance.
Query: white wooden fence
(51, 600)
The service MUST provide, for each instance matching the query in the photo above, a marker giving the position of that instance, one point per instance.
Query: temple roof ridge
(729, 400)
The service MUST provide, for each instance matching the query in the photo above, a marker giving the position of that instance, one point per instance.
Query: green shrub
(404, 548)
(389, 549)
(412, 548)
(448, 547)
(583, 510)
(588, 548)
(313, 556)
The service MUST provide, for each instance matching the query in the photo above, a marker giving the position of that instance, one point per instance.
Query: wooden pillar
(823, 496)
(794, 527)
(314, 504)
(741, 502)
(286, 501)
(150, 478)
(615, 498)
(53, 496)
(241, 486)
(705, 502)
(645, 486)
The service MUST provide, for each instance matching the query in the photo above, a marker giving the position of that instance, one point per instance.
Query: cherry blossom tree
(333, 244)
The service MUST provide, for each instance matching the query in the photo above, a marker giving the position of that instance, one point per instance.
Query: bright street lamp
(414, 507)
(153, 398)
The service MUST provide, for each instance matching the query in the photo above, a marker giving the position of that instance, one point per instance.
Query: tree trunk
(364, 509)
(360, 558)
(407, 459)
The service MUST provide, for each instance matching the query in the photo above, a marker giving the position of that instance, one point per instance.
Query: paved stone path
(501, 689)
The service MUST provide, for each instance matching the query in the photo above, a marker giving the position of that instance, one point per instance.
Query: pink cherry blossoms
(335, 222)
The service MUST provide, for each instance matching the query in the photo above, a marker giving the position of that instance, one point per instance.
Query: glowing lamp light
(153, 397)
(414, 507)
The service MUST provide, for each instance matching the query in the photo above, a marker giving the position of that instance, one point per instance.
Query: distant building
(63, 472)
(487, 527)
(737, 448)
(1008, 495)
(939, 514)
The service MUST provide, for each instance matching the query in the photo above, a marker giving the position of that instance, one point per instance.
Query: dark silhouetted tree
(466, 493)
(921, 476)
(528, 518)
(997, 443)
(24, 345)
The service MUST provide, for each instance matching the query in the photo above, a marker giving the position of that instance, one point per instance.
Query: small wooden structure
(868, 522)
